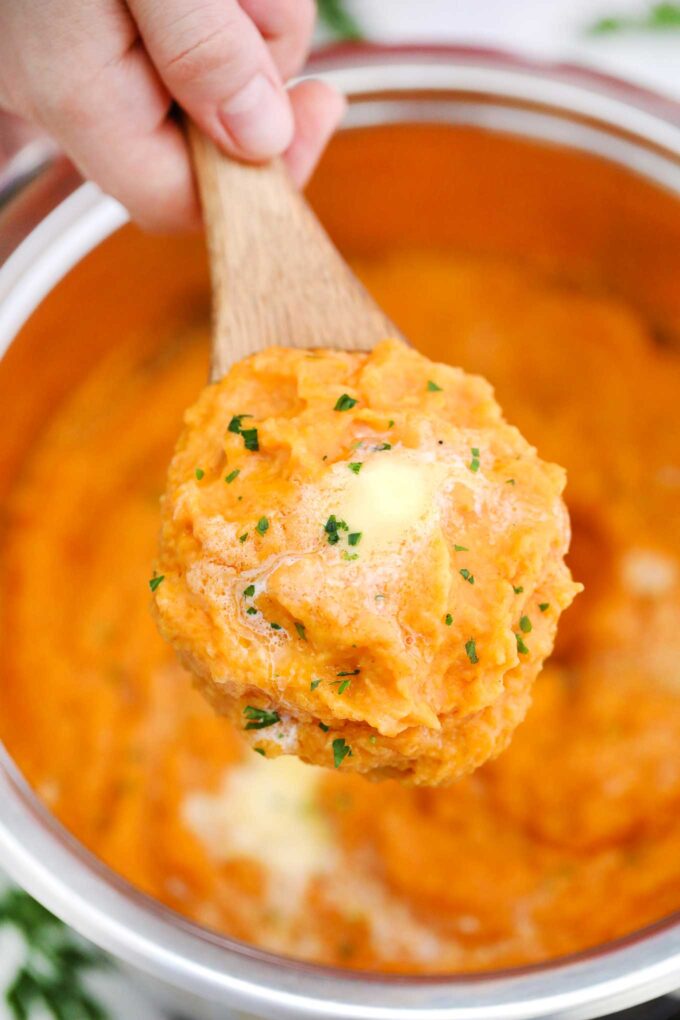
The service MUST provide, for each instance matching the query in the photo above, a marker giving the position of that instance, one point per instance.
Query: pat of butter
(390, 497)
(265, 810)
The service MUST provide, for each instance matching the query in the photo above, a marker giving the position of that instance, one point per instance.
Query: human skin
(102, 77)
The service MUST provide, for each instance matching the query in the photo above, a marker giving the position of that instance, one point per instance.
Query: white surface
(548, 29)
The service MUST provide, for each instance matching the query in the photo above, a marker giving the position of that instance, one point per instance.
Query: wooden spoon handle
(277, 278)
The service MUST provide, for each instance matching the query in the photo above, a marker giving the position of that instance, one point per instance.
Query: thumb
(216, 64)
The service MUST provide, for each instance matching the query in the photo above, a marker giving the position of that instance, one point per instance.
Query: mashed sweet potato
(361, 562)
(571, 837)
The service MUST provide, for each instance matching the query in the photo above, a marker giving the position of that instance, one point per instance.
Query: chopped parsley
(249, 591)
(349, 672)
(249, 436)
(518, 589)
(349, 556)
(250, 439)
(262, 525)
(372, 739)
(155, 581)
(199, 473)
(354, 538)
(525, 624)
(509, 481)
(232, 476)
(343, 686)
(332, 527)
(344, 403)
(260, 718)
(432, 387)
(474, 463)
(243, 537)
(275, 626)
(315, 683)
(355, 466)
(235, 423)
(322, 726)
(251, 611)
(300, 628)
(465, 573)
(383, 446)
(461, 548)
(471, 651)
(521, 647)
(341, 750)
(260, 750)
(448, 619)
(543, 606)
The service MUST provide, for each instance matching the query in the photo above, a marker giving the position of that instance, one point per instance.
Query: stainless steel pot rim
(75, 885)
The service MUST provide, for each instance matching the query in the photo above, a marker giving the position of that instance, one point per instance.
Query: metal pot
(385, 159)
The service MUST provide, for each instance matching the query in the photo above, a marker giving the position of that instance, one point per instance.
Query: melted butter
(391, 497)
(266, 810)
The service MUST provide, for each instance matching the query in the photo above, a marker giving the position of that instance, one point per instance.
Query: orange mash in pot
(366, 569)
(570, 837)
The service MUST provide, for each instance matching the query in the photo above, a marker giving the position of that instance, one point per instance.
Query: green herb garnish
(474, 463)
(448, 619)
(349, 672)
(509, 481)
(525, 624)
(461, 548)
(343, 686)
(260, 750)
(49, 980)
(338, 21)
(250, 439)
(322, 726)
(471, 651)
(518, 589)
(262, 525)
(521, 647)
(251, 611)
(235, 423)
(332, 527)
(543, 606)
(659, 17)
(155, 581)
(199, 472)
(243, 537)
(465, 573)
(249, 591)
(432, 387)
(349, 556)
(260, 718)
(383, 446)
(232, 476)
(355, 466)
(275, 626)
(354, 538)
(390, 423)
(341, 750)
(300, 628)
(345, 403)
(315, 683)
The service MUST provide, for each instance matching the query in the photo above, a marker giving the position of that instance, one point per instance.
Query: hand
(101, 77)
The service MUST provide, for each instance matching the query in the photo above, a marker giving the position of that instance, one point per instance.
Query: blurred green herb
(51, 977)
(658, 17)
(337, 20)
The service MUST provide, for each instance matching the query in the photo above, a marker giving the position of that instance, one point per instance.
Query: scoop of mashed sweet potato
(362, 563)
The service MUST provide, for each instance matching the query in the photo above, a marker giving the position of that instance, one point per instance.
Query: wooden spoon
(276, 276)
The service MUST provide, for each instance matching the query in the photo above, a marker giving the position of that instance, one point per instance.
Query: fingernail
(258, 119)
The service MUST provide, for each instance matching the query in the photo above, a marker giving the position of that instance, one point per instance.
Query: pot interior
(554, 273)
